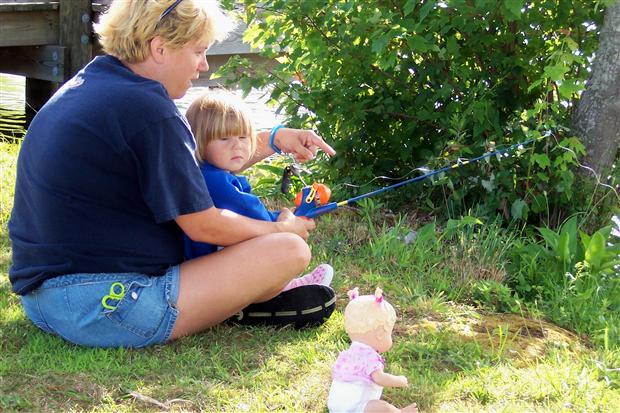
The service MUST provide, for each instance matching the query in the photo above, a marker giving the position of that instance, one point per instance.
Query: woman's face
(182, 66)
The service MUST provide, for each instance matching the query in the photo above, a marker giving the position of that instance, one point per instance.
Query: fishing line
(309, 208)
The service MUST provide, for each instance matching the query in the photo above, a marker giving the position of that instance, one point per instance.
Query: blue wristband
(272, 136)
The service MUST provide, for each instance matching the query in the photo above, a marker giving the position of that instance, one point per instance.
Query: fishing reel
(311, 198)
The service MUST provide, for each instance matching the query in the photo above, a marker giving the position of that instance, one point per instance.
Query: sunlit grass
(8, 159)
(456, 356)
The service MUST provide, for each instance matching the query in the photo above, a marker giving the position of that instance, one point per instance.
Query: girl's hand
(303, 144)
(291, 223)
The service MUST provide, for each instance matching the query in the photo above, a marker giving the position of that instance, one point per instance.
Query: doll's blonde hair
(368, 312)
(218, 114)
(128, 26)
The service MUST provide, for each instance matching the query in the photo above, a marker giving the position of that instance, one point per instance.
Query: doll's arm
(389, 380)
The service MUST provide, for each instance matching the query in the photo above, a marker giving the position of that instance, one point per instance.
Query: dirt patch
(509, 336)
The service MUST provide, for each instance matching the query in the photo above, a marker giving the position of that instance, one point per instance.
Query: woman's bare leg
(216, 286)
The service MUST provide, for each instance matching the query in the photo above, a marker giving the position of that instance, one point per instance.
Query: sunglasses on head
(168, 10)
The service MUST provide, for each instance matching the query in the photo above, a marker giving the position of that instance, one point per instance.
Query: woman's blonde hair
(127, 27)
(368, 313)
(218, 114)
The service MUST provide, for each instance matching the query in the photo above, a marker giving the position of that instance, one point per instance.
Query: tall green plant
(398, 84)
(575, 277)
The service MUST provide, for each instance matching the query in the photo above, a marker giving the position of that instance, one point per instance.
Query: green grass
(457, 357)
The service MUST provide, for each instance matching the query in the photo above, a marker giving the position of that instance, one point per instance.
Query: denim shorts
(107, 310)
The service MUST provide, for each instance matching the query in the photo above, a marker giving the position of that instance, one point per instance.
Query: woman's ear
(157, 46)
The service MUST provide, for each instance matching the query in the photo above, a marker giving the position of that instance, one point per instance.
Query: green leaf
(409, 7)
(455, 224)
(539, 203)
(427, 233)
(488, 185)
(418, 44)
(541, 159)
(568, 88)
(425, 10)
(556, 72)
(518, 209)
(380, 43)
(551, 237)
(513, 8)
(569, 231)
(452, 46)
(266, 167)
(563, 251)
(596, 251)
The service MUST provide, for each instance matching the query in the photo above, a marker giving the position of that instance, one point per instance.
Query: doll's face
(384, 340)
(379, 339)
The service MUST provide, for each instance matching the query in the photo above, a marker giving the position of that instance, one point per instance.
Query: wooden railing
(49, 41)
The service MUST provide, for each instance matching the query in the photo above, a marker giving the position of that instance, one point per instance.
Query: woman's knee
(288, 251)
(294, 250)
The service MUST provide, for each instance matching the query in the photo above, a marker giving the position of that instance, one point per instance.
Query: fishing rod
(312, 200)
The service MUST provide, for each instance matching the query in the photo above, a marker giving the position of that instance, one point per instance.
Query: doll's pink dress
(352, 385)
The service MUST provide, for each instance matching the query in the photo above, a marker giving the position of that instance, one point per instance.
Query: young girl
(225, 144)
(358, 376)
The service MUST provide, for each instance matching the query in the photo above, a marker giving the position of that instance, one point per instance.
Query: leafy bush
(395, 85)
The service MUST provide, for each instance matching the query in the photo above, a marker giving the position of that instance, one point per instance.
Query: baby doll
(358, 376)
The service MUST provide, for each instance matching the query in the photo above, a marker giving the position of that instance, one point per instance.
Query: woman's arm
(303, 144)
(224, 227)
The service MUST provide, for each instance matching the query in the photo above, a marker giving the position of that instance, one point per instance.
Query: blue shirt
(230, 192)
(105, 168)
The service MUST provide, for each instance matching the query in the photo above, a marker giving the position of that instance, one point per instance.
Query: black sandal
(306, 306)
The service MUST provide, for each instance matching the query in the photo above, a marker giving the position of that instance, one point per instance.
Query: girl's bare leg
(216, 286)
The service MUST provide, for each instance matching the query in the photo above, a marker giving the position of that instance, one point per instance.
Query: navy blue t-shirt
(105, 168)
(230, 192)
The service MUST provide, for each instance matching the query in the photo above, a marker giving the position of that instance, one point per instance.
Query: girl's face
(230, 153)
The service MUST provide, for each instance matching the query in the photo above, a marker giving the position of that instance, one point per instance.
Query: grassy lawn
(458, 357)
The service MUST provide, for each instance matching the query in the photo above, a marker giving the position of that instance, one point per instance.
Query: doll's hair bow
(379, 295)
(353, 294)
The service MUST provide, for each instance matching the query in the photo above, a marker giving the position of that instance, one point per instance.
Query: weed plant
(574, 278)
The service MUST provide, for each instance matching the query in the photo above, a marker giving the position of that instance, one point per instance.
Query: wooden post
(75, 32)
(74, 23)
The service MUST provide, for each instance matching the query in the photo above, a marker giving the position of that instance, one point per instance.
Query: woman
(107, 184)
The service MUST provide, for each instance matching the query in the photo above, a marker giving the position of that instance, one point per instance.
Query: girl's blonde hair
(368, 313)
(127, 27)
(218, 114)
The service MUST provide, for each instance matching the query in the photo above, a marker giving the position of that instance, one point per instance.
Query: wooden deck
(48, 41)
